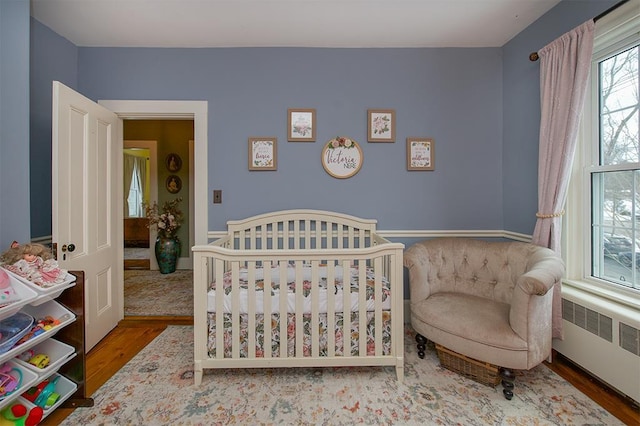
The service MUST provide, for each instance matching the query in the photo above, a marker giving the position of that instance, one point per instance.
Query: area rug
(156, 388)
(150, 293)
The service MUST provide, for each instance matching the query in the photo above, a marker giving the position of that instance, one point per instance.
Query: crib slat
(377, 329)
(307, 234)
(235, 310)
(266, 317)
(299, 309)
(346, 307)
(296, 235)
(331, 312)
(219, 271)
(251, 322)
(284, 318)
(362, 307)
(285, 235)
(315, 310)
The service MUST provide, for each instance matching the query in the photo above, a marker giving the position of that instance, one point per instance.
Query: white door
(87, 202)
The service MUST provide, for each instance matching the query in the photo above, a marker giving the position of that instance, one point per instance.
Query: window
(602, 243)
(134, 199)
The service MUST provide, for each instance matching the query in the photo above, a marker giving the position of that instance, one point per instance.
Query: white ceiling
(290, 23)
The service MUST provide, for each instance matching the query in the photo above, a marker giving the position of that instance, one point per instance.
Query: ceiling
(289, 23)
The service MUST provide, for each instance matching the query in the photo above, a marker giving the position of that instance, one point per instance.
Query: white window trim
(620, 24)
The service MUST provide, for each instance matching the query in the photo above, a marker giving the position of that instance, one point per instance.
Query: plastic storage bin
(59, 353)
(49, 308)
(29, 378)
(46, 294)
(24, 293)
(63, 387)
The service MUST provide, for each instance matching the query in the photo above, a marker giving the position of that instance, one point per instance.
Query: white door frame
(167, 110)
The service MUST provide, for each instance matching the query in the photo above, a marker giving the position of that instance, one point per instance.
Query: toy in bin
(44, 394)
(18, 415)
(42, 326)
(10, 380)
(14, 328)
(37, 360)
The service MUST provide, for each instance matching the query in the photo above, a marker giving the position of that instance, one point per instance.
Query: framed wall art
(263, 153)
(342, 157)
(173, 184)
(381, 125)
(173, 162)
(301, 125)
(420, 154)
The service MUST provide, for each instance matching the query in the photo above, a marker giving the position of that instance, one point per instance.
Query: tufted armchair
(490, 301)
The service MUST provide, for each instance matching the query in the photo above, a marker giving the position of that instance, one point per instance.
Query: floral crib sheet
(353, 339)
(385, 328)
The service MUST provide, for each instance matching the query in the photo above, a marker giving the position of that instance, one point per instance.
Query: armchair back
(475, 267)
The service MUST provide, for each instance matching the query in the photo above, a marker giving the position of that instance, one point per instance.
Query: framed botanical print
(381, 125)
(301, 124)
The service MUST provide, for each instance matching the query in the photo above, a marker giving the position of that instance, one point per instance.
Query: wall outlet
(217, 196)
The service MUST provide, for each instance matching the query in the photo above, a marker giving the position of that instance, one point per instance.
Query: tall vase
(167, 253)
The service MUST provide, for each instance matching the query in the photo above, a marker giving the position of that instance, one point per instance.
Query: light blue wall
(521, 88)
(14, 122)
(52, 58)
(480, 105)
(434, 92)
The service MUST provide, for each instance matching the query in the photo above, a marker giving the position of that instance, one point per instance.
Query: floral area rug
(152, 293)
(156, 388)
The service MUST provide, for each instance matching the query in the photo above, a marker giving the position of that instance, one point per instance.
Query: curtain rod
(534, 56)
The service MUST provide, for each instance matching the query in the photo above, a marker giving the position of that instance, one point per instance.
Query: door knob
(67, 248)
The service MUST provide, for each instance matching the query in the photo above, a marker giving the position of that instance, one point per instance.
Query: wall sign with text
(420, 154)
(342, 157)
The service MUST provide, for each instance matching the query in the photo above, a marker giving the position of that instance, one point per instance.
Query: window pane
(619, 115)
(616, 221)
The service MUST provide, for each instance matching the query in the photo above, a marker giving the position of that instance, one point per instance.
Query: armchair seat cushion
(474, 318)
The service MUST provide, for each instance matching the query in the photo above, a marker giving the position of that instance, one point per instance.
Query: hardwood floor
(115, 350)
(134, 333)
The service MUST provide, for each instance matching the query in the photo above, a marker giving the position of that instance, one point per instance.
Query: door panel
(87, 202)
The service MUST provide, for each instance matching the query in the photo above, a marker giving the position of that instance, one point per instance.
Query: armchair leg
(508, 379)
(422, 344)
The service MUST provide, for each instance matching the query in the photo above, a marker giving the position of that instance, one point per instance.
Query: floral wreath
(341, 142)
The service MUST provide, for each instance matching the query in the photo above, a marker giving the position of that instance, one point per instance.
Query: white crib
(305, 267)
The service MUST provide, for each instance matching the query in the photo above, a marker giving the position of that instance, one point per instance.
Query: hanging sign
(342, 157)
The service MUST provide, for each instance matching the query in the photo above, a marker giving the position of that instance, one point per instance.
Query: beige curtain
(564, 74)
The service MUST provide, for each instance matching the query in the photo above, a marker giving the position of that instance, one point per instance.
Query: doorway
(166, 110)
(141, 177)
(158, 158)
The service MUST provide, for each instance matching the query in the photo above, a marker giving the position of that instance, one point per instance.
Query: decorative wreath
(340, 141)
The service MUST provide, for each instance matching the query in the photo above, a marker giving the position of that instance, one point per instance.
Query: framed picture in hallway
(173, 184)
(301, 124)
(263, 153)
(173, 162)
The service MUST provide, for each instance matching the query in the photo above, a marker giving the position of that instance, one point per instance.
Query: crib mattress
(276, 288)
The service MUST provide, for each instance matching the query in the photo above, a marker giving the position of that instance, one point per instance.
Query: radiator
(602, 337)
